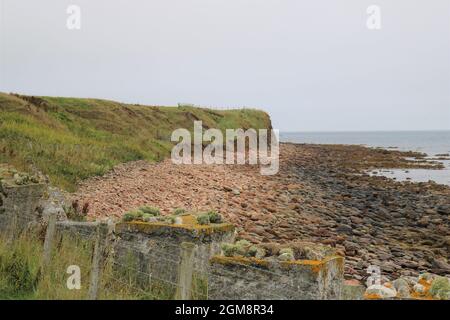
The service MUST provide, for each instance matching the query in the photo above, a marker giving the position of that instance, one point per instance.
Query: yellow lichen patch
(303, 262)
(425, 295)
(372, 296)
(315, 265)
(424, 282)
(188, 223)
(421, 296)
(189, 220)
(239, 261)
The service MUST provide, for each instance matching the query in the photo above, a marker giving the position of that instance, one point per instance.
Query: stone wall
(155, 248)
(156, 252)
(248, 278)
(83, 229)
(20, 201)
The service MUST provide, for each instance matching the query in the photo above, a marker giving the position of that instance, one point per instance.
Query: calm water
(429, 142)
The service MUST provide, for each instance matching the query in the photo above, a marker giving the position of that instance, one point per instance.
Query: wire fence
(118, 266)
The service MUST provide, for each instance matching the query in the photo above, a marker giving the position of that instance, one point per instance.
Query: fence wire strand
(166, 256)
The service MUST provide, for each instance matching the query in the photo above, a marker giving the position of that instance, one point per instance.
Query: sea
(429, 142)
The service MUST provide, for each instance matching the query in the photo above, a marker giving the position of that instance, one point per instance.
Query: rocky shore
(322, 194)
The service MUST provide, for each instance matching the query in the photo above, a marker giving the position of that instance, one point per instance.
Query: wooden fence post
(13, 227)
(49, 239)
(97, 259)
(13, 231)
(185, 271)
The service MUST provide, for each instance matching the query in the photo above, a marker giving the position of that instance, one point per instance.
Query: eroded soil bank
(321, 194)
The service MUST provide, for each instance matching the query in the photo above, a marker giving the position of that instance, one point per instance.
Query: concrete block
(155, 248)
(23, 201)
(249, 278)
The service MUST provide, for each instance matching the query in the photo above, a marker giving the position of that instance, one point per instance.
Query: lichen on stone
(187, 223)
(402, 287)
(286, 257)
(379, 292)
(286, 254)
(440, 288)
(240, 261)
(426, 277)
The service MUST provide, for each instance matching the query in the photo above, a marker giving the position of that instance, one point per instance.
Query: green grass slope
(72, 139)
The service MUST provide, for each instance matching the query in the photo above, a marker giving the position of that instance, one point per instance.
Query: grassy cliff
(72, 139)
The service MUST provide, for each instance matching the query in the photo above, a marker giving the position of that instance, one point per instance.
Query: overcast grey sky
(313, 65)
